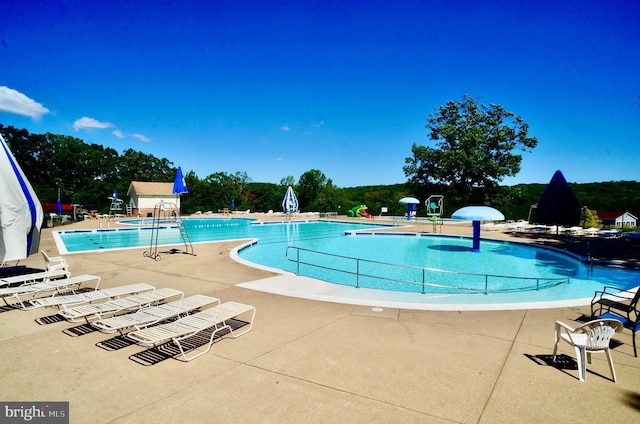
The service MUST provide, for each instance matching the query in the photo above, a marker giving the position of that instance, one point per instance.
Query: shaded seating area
(179, 331)
(592, 337)
(154, 314)
(622, 305)
(109, 308)
(52, 287)
(90, 296)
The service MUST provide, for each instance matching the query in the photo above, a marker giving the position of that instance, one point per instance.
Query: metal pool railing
(375, 274)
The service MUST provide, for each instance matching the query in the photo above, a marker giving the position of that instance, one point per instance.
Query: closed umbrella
(290, 201)
(558, 204)
(21, 213)
(179, 185)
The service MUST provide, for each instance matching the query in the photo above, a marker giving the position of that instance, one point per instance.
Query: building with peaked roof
(617, 219)
(144, 196)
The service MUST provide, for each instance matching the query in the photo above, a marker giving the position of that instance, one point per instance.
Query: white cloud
(285, 128)
(118, 133)
(141, 137)
(13, 101)
(318, 125)
(85, 122)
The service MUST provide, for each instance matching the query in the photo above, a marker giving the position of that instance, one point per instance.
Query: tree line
(474, 146)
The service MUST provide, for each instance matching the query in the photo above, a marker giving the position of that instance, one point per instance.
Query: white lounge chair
(103, 310)
(30, 291)
(34, 277)
(53, 263)
(191, 325)
(90, 296)
(154, 314)
(592, 337)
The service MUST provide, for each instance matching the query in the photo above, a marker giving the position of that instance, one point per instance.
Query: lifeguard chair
(435, 209)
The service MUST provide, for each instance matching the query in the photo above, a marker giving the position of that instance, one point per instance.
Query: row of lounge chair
(524, 226)
(140, 312)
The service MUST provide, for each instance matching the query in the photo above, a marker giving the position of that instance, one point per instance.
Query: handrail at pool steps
(371, 274)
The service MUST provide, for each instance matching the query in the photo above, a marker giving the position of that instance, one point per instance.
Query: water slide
(360, 210)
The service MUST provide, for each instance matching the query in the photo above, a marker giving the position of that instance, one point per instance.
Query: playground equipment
(435, 209)
(360, 210)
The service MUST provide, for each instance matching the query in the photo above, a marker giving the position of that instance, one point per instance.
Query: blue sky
(278, 88)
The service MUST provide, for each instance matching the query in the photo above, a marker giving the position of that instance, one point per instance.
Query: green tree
(137, 166)
(309, 186)
(473, 152)
(589, 218)
(288, 181)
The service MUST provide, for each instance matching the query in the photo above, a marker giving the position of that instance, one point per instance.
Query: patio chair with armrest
(54, 262)
(592, 337)
(619, 304)
(186, 327)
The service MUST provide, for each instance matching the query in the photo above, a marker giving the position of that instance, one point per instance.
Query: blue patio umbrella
(477, 214)
(233, 204)
(179, 185)
(59, 206)
(115, 194)
(290, 201)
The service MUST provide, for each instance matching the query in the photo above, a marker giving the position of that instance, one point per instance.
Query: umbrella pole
(476, 236)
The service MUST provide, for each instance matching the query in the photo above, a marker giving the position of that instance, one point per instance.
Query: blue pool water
(433, 264)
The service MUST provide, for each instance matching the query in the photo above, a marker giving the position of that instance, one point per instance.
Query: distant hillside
(613, 196)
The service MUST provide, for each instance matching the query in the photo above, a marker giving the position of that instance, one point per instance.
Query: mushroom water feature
(409, 201)
(477, 214)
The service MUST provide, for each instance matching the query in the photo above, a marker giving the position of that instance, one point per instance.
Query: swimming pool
(540, 274)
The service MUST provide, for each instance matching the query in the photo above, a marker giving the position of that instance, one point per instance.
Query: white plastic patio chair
(53, 263)
(592, 337)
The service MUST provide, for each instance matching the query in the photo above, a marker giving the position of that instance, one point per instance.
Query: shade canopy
(409, 200)
(179, 185)
(558, 204)
(21, 213)
(478, 213)
(290, 201)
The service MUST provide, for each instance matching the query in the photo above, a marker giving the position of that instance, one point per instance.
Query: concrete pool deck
(312, 361)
